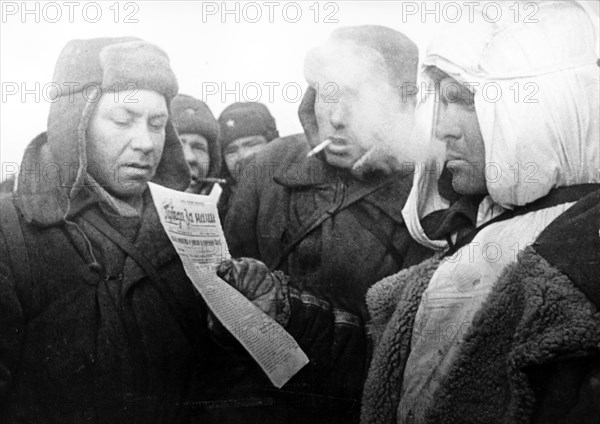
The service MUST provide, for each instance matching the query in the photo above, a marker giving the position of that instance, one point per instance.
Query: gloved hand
(267, 290)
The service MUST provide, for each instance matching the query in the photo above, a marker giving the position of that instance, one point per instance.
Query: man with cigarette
(326, 209)
(331, 218)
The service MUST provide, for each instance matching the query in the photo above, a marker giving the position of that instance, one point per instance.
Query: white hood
(560, 134)
(536, 88)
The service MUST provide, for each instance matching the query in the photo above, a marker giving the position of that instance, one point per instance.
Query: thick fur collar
(393, 304)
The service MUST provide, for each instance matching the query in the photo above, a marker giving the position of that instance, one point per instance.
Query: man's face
(197, 156)
(241, 148)
(125, 141)
(458, 127)
(357, 107)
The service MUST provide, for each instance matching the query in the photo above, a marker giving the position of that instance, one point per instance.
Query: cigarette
(320, 147)
(211, 180)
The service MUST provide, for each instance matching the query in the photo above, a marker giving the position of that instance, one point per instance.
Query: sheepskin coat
(533, 352)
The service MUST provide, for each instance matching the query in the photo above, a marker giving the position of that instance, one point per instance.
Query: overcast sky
(209, 50)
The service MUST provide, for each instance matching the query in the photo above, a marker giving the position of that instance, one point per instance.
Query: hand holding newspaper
(192, 223)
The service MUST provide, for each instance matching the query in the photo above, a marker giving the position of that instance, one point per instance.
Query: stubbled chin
(339, 161)
(376, 160)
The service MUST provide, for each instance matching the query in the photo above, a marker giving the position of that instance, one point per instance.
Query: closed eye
(253, 143)
(121, 118)
(200, 147)
(158, 124)
(122, 123)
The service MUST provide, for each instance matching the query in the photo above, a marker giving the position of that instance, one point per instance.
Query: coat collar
(314, 172)
(296, 170)
(153, 241)
(38, 193)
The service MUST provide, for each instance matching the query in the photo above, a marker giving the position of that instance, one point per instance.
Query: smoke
(392, 128)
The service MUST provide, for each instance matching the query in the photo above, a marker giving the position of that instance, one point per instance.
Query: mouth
(338, 146)
(453, 158)
(338, 141)
(137, 168)
(453, 163)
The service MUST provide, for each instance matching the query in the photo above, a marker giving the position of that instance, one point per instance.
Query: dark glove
(267, 290)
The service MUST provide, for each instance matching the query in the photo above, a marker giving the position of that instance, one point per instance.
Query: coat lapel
(152, 241)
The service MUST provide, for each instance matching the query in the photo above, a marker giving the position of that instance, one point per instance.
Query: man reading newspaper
(98, 320)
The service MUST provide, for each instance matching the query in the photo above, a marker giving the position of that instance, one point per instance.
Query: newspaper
(192, 223)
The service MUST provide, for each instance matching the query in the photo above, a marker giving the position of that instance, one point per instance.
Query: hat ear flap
(273, 134)
(308, 119)
(172, 170)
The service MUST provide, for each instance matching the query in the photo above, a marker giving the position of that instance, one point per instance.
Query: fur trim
(535, 315)
(137, 65)
(383, 297)
(393, 305)
(110, 64)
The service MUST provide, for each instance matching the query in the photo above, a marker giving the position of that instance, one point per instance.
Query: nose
(189, 157)
(233, 161)
(245, 153)
(337, 115)
(142, 139)
(447, 127)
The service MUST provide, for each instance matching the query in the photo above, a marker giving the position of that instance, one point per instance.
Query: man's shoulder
(571, 244)
(287, 149)
(260, 169)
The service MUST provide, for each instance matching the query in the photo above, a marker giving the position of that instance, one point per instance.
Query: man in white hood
(497, 331)
(532, 158)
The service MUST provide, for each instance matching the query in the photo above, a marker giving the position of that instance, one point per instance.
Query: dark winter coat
(87, 333)
(88, 336)
(281, 191)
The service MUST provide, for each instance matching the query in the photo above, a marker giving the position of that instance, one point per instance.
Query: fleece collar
(393, 304)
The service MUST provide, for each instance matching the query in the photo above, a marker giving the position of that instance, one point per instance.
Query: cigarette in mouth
(210, 180)
(320, 147)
